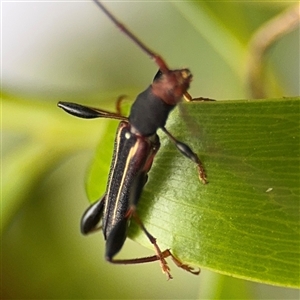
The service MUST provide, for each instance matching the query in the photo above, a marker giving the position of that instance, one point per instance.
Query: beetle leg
(181, 265)
(152, 239)
(188, 152)
(188, 98)
(153, 258)
(160, 255)
(92, 216)
(116, 240)
(118, 104)
(87, 112)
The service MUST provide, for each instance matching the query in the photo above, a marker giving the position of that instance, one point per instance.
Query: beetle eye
(157, 75)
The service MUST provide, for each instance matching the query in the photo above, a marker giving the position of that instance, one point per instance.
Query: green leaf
(245, 222)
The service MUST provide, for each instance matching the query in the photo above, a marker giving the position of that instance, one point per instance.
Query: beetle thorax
(171, 86)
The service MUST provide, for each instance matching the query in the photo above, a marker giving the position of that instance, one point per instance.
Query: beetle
(136, 144)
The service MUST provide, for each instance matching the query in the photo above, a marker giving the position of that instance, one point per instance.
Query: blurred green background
(69, 51)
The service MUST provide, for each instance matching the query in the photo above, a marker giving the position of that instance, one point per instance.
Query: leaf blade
(245, 222)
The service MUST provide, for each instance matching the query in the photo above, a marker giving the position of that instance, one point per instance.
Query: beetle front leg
(188, 152)
(188, 98)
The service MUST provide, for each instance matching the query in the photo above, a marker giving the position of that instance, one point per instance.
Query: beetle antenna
(158, 60)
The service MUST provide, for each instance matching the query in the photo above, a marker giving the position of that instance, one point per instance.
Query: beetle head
(172, 85)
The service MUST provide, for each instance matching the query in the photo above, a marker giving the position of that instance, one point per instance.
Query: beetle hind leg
(92, 216)
(159, 254)
(113, 245)
(141, 260)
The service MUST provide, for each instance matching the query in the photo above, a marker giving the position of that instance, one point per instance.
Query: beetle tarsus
(188, 98)
(183, 266)
(202, 174)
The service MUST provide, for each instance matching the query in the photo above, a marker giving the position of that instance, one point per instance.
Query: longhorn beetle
(136, 144)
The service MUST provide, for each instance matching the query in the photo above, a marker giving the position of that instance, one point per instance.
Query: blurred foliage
(45, 153)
